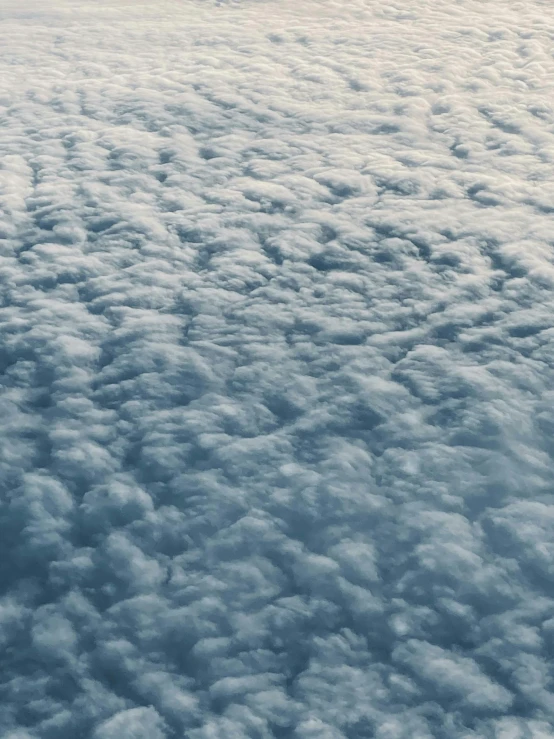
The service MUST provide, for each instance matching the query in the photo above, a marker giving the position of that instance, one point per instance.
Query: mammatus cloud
(277, 364)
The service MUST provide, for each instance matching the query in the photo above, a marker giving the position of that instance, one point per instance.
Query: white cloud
(134, 723)
(276, 352)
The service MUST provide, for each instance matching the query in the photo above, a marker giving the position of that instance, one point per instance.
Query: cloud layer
(277, 360)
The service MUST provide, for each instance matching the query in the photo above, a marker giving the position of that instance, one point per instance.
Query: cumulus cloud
(277, 363)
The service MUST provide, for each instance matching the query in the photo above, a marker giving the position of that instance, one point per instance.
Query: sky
(277, 369)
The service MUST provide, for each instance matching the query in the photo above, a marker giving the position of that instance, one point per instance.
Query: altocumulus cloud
(277, 363)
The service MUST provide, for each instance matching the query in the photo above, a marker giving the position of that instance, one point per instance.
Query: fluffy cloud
(277, 364)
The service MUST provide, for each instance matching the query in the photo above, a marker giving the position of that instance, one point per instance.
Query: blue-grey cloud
(276, 349)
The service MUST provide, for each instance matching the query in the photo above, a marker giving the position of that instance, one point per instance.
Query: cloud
(276, 353)
(132, 723)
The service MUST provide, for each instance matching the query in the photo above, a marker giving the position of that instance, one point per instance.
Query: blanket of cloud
(277, 356)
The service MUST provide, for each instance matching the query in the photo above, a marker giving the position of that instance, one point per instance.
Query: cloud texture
(277, 359)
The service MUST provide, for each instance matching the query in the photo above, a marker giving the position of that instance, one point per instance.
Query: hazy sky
(277, 355)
